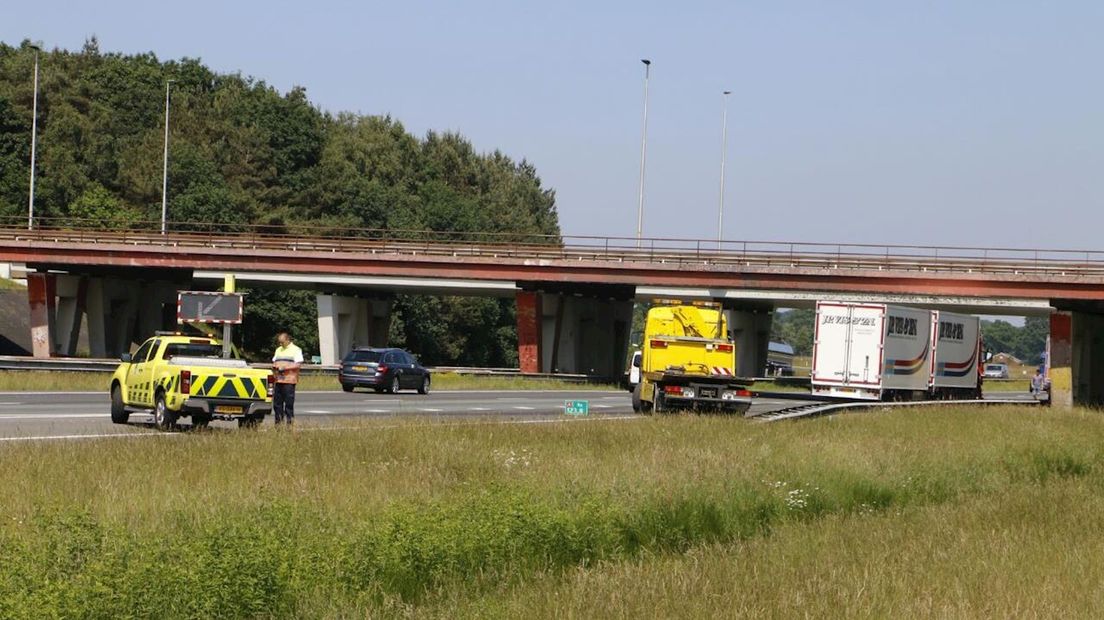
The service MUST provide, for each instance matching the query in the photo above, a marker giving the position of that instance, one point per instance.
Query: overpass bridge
(574, 293)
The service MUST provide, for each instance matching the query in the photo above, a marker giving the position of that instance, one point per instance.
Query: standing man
(285, 363)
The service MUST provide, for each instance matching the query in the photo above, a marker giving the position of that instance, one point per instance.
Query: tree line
(242, 153)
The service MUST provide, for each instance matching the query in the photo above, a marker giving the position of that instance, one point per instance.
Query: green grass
(43, 381)
(390, 518)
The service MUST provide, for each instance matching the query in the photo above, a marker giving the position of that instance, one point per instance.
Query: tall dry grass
(422, 518)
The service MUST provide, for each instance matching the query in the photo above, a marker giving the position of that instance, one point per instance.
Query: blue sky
(939, 122)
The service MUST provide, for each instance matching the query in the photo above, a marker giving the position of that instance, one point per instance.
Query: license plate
(359, 368)
(227, 409)
(709, 392)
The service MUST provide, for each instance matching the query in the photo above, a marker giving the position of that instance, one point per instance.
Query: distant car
(383, 370)
(995, 371)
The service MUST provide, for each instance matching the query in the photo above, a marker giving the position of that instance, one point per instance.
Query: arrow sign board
(577, 407)
(203, 307)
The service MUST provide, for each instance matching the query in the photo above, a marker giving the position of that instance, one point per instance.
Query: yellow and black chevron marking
(229, 387)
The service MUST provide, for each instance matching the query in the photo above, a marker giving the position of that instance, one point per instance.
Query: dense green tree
(795, 327)
(241, 152)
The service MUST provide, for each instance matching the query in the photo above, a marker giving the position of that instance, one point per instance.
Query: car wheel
(162, 416)
(425, 385)
(119, 413)
(347, 387)
(395, 385)
(636, 403)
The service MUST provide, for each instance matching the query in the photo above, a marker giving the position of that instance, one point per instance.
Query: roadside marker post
(577, 407)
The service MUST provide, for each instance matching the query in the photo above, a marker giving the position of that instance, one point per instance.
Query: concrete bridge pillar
(96, 321)
(41, 294)
(1088, 359)
(112, 313)
(529, 319)
(749, 329)
(564, 332)
(345, 322)
(71, 298)
(1076, 358)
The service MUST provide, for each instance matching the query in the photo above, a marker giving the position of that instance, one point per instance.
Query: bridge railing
(673, 251)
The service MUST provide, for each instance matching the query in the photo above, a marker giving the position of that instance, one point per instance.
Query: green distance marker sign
(577, 407)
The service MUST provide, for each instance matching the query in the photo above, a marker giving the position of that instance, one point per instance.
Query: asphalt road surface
(29, 416)
(63, 415)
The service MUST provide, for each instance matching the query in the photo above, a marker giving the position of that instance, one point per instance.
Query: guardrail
(16, 363)
(302, 238)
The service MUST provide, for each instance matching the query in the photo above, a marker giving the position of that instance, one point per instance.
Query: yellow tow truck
(175, 376)
(687, 362)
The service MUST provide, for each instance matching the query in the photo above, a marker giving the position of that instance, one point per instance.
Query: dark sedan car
(383, 370)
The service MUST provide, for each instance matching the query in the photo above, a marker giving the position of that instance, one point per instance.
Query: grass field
(943, 511)
(43, 381)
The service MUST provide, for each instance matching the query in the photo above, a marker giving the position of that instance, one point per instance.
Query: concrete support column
(379, 333)
(346, 322)
(529, 331)
(1061, 358)
(71, 299)
(750, 331)
(1088, 359)
(94, 309)
(584, 335)
(41, 292)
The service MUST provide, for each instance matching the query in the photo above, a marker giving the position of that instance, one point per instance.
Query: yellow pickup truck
(176, 376)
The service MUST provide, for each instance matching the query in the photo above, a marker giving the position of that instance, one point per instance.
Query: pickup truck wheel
(425, 385)
(637, 405)
(162, 416)
(395, 385)
(119, 413)
(348, 387)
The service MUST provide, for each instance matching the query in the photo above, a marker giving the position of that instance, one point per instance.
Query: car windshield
(994, 367)
(368, 357)
(193, 350)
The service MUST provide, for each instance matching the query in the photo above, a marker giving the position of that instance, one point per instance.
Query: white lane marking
(97, 436)
(51, 416)
(479, 409)
(524, 408)
(375, 411)
(431, 410)
(601, 406)
(319, 411)
(564, 420)
(11, 403)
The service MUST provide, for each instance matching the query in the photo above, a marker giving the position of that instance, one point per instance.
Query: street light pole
(643, 154)
(34, 140)
(724, 151)
(165, 165)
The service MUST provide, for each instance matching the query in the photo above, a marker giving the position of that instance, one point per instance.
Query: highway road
(38, 416)
(28, 416)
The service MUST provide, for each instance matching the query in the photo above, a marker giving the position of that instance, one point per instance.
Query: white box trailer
(871, 351)
(956, 339)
